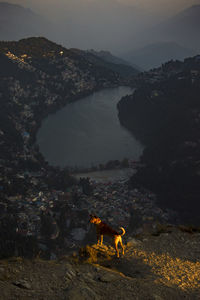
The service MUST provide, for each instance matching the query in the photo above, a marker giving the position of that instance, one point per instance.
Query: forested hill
(39, 52)
(31, 49)
(37, 77)
(164, 114)
(115, 63)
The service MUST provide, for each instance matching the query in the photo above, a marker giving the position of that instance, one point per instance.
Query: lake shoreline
(73, 125)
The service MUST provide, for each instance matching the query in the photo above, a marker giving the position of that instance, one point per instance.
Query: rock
(82, 292)
(88, 254)
(87, 277)
(157, 297)
(70, 274)
(107, 277)
(23, 284)
(133, 242)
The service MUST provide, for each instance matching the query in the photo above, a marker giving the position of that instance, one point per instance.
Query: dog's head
(94, 219)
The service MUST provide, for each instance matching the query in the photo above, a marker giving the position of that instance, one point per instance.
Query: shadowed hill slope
(164, 115)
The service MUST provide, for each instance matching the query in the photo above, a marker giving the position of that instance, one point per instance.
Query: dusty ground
(163, 266)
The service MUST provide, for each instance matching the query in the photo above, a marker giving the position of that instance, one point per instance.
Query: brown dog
(103, 229)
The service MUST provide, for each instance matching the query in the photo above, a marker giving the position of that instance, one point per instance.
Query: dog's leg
(116, 248)
(101, 243)
(98, 238)
(122, 246)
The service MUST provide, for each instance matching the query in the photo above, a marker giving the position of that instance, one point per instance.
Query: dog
(103, 229)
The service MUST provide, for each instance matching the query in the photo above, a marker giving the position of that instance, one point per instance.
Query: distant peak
(191, 9)
(10, 5)
(196, 6)
(35, 38)
(38, 40)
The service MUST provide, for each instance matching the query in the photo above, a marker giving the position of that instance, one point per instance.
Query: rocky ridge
(162, 266)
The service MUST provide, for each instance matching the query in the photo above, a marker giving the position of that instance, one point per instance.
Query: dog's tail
(123, 231)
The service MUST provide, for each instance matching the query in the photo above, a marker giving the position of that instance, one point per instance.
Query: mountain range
(153, 55)
(183, 28)
(17, 22)
(77, 26)
(174, 38)
(123, 67)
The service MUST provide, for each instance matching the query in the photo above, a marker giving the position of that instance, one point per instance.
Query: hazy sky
(104, 24)
(53, 6)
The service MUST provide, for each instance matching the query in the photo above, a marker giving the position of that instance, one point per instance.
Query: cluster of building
(61, 218)
(119, 205)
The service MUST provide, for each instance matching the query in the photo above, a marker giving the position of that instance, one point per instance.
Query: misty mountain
(105, 24)
(153, 55)
(117, 64)
(109, 57)
(183, 28)
(17, 22)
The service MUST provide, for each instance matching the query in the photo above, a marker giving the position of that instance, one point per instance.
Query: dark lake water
(88, 132)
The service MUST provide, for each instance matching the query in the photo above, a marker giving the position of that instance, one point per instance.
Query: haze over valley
(128, 27)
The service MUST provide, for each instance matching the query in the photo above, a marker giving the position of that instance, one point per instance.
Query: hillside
(115, 63)
(160, 266)
(109, 57)
(163, 114)
(153, 55)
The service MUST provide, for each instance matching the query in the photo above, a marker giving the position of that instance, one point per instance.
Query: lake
(88, 132)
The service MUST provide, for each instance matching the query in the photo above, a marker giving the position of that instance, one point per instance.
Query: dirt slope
(161, 266)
